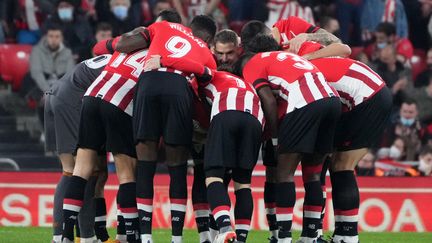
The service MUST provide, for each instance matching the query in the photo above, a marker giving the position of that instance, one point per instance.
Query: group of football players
(290, 90)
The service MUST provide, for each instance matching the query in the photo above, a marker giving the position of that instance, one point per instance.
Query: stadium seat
(355, 51)
(14, 63)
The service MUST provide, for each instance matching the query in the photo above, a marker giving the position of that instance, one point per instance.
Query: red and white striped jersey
(295, 80)
(282, 9)
(354, 81)
(229, 92)
(291, 27)
(116, 83)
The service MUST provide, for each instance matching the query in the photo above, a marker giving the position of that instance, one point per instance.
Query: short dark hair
(427, 149)
(409, 101)
(251, 29)
(226, 36)
(203, 27)
(52, 26)
(170, 15)
(241, 62)
(262, 43)
(387, 28)
(103, 26)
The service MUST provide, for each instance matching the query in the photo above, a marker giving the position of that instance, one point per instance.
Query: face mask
(407, 122)
(120, 12)
(381, 45)
(394, 152)
(425, 168)
(65, 13)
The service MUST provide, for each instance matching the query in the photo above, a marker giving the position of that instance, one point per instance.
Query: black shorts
(61, 125)
(103, 124)
(363, 126)
(233, 141)
(311, 128)
(163, 107)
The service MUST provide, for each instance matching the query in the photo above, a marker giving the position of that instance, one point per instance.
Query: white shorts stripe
(202, 213)
(144, 207)
(100, 218)
(312, 214)
(242, 227)
(178, 207)
(221, 213)
(130, 215)
(71, 207)
(284, 217)
(344, 218)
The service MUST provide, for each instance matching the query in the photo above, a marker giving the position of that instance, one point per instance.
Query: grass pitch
(43, 235)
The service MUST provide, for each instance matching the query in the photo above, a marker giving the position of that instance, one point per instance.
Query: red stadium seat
(14, 63)
(355, 51)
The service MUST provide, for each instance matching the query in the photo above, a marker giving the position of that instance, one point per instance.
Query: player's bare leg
(176, 160)
(68, 163)
(147, 153)
(345, 194)
(285, 194)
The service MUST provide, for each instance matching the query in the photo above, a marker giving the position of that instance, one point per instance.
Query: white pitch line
(255, 189)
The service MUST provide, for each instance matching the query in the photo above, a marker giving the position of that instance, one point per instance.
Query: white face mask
(394, 153)
(424, 167)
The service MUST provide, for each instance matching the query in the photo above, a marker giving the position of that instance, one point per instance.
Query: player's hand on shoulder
(296, 42)
(154, 62)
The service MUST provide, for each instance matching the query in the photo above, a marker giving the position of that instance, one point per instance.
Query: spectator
(366, 166)
(191, 8)
(49, 60)
(23, 19)
(103, 32)
(119, 14)
(395, 152)
(349, 14)
(423, 78)
(407, 127)
(377, 11)
(331, 25)
(418, 14)
(78, 34)
(385, 34)
(241, 11)
(226, 47)
(282, 9)
(396, 76)
(423, 97)
(425, 161)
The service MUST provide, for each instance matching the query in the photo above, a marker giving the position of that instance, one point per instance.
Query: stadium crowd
(74, 39)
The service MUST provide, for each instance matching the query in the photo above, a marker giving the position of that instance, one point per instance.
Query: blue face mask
(65, 14)
(407, 122)
(381, 45)
(120, 11)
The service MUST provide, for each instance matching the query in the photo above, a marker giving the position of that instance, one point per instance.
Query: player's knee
(68, 162)
(271, 175)
(147, 150)
(215, 174)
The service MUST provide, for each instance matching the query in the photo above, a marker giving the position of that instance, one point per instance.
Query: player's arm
(105, 46)
(136, 39)
(335, 49)
(323, 36)
(269, 106)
